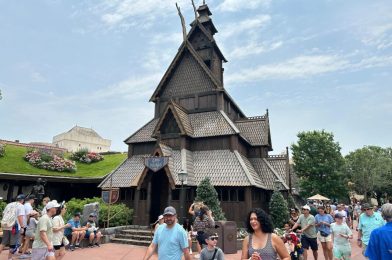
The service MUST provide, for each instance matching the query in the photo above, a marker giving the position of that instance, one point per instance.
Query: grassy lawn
(13, 162)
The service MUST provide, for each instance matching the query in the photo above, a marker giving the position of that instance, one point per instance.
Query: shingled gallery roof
(223, 167)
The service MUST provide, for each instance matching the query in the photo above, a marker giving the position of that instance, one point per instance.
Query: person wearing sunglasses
(211, 251)
(368, 222)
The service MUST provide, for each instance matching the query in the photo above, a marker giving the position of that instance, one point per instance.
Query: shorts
(324, 239)
(30, 233)
(57, 247)
(9, 238)
(41, 253)
(342, 251)
(87, 235)
(307, 241)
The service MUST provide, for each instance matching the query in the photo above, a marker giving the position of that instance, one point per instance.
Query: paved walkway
(122, 252)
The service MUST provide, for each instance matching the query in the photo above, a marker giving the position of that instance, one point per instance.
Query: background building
(82, 137)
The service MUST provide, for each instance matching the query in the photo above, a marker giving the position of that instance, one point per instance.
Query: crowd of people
(26, 224)
(331, 226)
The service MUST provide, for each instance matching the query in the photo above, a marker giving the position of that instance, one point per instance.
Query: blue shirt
(368, 224)
(74, 224)
(171, 242)
(380, 243)
(324, 218)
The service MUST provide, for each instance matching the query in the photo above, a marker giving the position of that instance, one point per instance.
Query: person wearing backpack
(12, 225)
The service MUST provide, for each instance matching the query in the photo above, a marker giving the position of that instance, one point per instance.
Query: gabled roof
(144, 133)
(181, 116)
(126, 174)
(199, 25)
(186, 47)
(255, 130)
(268, 174)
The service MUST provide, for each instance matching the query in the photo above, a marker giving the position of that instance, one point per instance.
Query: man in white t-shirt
(11, 237)
(342, 211)
(29, 203)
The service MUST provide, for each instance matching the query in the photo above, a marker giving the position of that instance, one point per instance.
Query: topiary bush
(278, 209)
(84, 156)
(206, 193)
(120, 214)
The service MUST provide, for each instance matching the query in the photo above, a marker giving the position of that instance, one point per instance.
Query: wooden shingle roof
(144, 133)
(268, 174)
(126, 174)
(255, 130)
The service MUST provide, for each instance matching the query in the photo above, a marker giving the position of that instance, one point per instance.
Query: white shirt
(20, 211)
(58, 221)
(28, 208)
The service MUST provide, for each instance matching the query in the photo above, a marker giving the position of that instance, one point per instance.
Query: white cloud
(378, 35)
(253, 48)
(37, 77)
(244, 26)
(308, 65)
(239, 5)
(128, 13)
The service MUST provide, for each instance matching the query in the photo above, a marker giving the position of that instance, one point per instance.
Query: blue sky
(313, 64)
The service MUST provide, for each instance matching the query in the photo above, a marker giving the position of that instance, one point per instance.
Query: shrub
(2, 150)
(3, 204)
(120, 214)
(278, 209)
(49, 162)
(84, 156)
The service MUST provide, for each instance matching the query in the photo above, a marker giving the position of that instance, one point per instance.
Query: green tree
(370, 169)
(278, 209)
(206, 192)
(318, 163)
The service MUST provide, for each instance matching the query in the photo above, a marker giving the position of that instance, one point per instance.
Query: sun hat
(52, 204)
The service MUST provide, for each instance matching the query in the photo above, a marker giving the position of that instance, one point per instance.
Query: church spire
(205, 19)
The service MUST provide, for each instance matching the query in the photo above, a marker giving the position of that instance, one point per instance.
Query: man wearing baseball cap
(42, 245)
(368, 222)
(308, 230)
(170, 238)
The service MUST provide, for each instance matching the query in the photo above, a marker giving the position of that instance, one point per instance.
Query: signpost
(110, 196)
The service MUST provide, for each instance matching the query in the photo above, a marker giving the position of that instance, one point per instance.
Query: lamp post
(182, 176)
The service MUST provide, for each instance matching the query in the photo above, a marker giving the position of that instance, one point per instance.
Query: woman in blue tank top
(262, 243)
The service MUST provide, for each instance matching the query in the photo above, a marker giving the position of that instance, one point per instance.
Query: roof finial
(194, 10)
(182, 22)
(204, 2)
(267, 112)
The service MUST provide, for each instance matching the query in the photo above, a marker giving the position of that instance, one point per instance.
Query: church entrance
(159, 194)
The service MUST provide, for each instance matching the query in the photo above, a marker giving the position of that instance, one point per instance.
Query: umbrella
(318, 197)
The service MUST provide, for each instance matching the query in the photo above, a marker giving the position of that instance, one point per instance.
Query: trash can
(219, 231)
(227, 232)
(229, 237)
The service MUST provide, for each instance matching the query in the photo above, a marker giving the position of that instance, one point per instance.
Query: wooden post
(110, 201)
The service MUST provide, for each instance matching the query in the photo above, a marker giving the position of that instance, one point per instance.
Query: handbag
(324, 234)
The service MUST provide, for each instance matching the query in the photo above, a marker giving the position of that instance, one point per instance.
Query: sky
(95, 63)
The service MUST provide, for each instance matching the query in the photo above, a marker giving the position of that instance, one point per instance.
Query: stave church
(198, 131)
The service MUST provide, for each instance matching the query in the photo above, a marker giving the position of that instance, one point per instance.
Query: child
(30, 232)
(341, 234)
(211, 252)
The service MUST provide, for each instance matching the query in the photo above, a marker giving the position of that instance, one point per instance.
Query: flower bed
(84, 156)
(49, 162)
(2, 150)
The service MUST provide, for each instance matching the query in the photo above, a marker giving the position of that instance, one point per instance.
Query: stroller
(296, 253)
